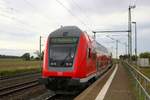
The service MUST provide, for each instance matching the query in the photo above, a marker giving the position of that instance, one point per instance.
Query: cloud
(23, 21)
(15, 52)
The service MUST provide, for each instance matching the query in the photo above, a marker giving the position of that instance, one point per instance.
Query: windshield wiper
(63, 62)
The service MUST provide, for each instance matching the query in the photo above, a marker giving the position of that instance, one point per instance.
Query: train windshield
(61, 54)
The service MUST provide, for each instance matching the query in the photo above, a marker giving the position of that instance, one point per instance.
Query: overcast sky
(23, 21)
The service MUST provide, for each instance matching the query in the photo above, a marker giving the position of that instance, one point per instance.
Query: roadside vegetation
(11, 65)
(14, 66)
(144, 70)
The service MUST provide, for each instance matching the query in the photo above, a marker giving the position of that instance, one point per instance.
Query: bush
(145, 55)
(134, 58)
(26, 56)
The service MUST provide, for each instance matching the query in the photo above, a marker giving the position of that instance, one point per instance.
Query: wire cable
(73, 14)
(38, 10)
(83, 12)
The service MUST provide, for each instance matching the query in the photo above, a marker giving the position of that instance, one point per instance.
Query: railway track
(61, 97)
(20, 79)
(17, 87)
(50, 95)
(18, 75)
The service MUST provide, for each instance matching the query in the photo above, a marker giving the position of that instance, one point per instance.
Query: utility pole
(116, 49)
(40, 48)
(116, 45)
(130, 32)
(135, 40)
(94, 35)
(125, 48)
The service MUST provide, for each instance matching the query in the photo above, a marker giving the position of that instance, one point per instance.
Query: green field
(15, 66)
(145, 71)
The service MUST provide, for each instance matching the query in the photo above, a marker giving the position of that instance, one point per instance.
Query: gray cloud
(102, 7)
(40, 17)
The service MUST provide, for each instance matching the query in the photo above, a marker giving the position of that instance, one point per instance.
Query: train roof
(72, 31)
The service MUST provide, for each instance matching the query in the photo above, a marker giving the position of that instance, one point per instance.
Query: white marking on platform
(104, 90)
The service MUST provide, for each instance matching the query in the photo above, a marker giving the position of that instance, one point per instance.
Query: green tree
(134, 57)
(38, 55)
(32, 57)
(145, 55)
(26, 56)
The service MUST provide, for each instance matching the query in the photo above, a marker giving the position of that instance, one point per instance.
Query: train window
(61, 55)
(59, 52)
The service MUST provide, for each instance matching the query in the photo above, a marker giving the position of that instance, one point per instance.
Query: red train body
(72, 58)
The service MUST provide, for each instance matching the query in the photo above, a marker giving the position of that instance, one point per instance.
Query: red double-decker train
(72, 58)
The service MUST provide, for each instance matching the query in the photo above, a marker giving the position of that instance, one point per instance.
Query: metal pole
(94, 35)
(129, 33)
(40, 48)
(116, 49)
(135, 41)
(126, 48)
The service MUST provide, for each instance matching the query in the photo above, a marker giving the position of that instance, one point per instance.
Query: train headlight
(53, 63)
(68, 64)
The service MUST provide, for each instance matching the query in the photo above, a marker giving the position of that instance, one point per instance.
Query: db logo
(59, 73)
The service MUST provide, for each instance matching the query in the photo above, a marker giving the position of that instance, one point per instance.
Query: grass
(14, 66)
(144, 70)
(134, 83)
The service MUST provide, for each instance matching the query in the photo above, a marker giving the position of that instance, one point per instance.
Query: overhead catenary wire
(11, 16)
(83, 12)
(132, 2)
(6, 13)
(115, 40)
(18, 21)
(69, 11)
(4, 9)
(8, 8)
(38, 10)
(35, 8)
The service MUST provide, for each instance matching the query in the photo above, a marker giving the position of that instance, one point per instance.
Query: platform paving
(92, 91)
(119, 89)
(121, 86)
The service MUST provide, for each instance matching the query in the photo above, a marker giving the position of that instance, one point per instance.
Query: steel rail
(17, 75)
(18, 87)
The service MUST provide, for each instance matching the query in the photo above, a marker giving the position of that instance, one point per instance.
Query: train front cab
(83, 66)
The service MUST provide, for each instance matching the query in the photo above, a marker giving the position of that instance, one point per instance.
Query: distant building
(143, 62)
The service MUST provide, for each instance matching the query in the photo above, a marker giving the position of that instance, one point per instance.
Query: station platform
(113, 85)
